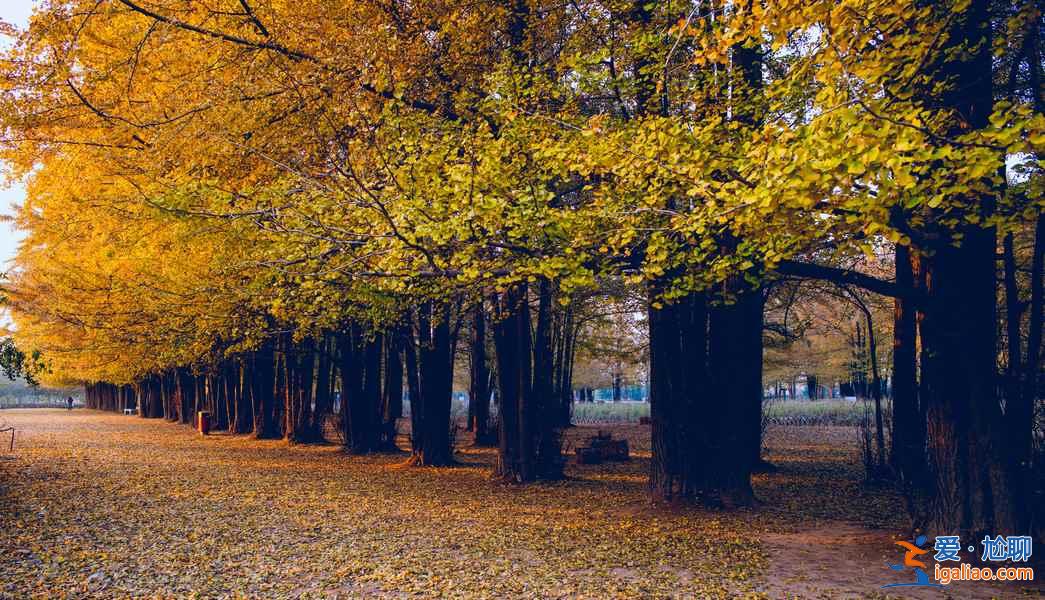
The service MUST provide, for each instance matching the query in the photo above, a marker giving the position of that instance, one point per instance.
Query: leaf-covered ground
(102, 505)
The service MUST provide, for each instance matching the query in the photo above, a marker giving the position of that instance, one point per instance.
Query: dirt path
(831, 536)
(845, 561)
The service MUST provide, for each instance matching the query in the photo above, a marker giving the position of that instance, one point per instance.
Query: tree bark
(324, 392)
(263, 386)
(239, 376)
(1019, 409)
(186, 390)
(431, 435)
(356, 406)
(300, 376)
(479, 392)
(569, 343)
(875, 384)
(908, 439)
(512, 343)
(732, 350)
(681, 405)
(392, 403)
(373, 401)
(973, 489)
(545, 411)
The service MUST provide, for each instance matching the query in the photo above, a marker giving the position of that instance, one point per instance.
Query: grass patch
(847, 413)
(839, 412)
(609, 412)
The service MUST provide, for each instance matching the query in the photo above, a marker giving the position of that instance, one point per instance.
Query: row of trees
(222, 189)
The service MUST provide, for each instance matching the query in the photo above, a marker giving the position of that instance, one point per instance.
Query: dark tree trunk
(413, 380)
(299, 372)
(529, 410)
(908, 439)
(569, 351)
(263, 389)
(681, 407)
(393, 390)
(358, 409)
(239, 376)
(544, 397)
(139, 400)
(324, 392)
(185, 391)
(216, 397)
(731, 356)
(431, 436)
(154, 387)
(1021, 417)
(228, 392)
(971, 487)
(479, 392)
(973, 483)
(373, 400)
(515, 461)
(1013, 318)
(171, 401)
(1025, 389)
(875, 385)
(279, 404)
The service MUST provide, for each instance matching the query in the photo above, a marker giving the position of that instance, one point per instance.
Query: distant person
(69, 401)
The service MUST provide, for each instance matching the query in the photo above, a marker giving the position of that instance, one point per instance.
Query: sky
(17, 13)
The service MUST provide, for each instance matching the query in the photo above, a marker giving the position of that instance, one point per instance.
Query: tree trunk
(1019, 409)
(732, 350)
(908, 439)
(432, 445)
(186, 391)
(681, 430)
(479, 392)
(569, 343)
(359, 429)
(392, 403)
(875, 385)
(1021, 419)
(263, 389)
(373, 401)
(1013, 318)
(413, 383)
(545, 412)
(300, 376)
(973, 488)
(324, 392)
(512, 343)
(238, 376)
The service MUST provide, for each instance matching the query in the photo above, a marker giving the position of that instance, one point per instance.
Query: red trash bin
(203, 422)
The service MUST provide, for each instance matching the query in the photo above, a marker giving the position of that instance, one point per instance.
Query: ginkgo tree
(265, 193)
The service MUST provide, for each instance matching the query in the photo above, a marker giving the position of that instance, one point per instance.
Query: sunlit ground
(102, 505)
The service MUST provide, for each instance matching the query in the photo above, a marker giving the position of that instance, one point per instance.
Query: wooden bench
(130, 411)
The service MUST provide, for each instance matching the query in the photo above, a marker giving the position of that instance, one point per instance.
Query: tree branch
(836, 275)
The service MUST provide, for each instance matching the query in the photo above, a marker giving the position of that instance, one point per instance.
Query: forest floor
(101, 505)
